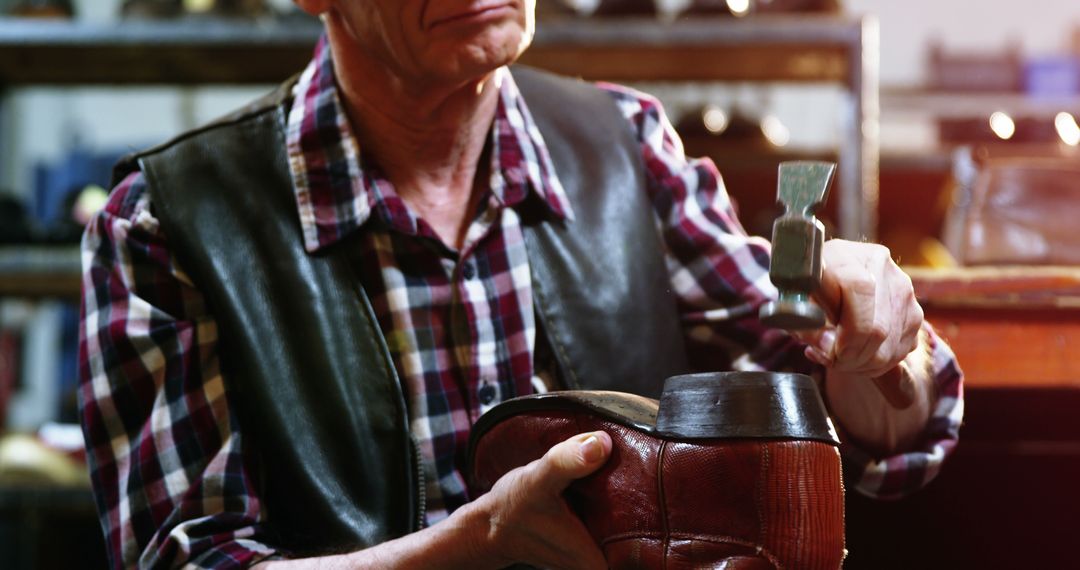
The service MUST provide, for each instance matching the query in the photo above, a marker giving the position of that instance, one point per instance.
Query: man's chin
(479, 58)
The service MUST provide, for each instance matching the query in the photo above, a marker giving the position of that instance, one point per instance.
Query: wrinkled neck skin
(426, 136)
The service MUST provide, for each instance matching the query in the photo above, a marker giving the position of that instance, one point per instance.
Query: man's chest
(460, 325)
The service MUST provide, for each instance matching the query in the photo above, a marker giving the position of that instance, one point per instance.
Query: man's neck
(426, 138)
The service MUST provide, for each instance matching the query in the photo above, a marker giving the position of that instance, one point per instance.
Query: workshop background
(954, 125)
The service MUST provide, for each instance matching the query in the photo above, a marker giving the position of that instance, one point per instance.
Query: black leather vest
(320, 405)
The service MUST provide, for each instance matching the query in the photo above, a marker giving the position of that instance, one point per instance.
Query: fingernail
(591, 450)
(814, 355)
(826, 343)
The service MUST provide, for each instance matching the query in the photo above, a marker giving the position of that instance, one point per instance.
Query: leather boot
(735, 470)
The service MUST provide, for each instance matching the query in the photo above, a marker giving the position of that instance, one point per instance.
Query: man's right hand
(524, 519)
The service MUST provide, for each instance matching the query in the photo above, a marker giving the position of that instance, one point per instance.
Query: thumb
(573, 459)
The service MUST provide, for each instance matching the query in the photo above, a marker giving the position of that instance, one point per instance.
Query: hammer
(797, 241)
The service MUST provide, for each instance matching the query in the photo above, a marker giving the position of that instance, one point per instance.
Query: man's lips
(471, 13)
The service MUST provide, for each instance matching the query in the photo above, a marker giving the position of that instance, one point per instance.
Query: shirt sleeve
(165, 452)
(720, 277)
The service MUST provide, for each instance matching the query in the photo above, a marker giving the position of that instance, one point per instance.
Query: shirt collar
(337, 192)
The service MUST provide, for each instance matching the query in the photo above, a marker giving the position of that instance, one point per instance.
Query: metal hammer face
(798, 238)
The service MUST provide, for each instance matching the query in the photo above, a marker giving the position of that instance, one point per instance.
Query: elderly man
(293, 316)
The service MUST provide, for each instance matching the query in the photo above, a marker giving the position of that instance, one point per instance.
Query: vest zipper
(421, 495)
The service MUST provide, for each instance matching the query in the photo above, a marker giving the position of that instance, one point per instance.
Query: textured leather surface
(1018, 211)
(309, 374)
(712, 503)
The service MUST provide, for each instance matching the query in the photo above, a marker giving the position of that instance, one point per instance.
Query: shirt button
(486, 393)
(468, 271)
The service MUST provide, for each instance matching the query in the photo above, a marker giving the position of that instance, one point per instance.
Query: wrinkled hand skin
(523, 519)
(527, 518)
(871, 345)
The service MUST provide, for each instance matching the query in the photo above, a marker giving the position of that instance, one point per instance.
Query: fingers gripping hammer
(797, 242)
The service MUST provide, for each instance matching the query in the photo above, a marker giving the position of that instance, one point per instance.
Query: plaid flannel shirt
(173, 480)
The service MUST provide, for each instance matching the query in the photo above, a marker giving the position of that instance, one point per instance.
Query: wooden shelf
(1004, 286)
(779, 48)
(1011, 327)
(38, 272)
(800, 49)
(804, 48)
(944, 105)
(183, 52)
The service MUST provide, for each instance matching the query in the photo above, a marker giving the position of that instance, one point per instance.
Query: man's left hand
(876, 381)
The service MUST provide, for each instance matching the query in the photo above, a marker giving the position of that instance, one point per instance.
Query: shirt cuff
(904, 473)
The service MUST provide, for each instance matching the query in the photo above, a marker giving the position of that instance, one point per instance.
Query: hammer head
(803, 186)
(798, 238)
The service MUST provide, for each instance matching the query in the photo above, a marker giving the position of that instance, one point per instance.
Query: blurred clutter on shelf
(1050, 84)
(151, 9)
(670, 8)
(39, 8)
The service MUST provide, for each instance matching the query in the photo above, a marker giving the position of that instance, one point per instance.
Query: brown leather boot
(734, 470)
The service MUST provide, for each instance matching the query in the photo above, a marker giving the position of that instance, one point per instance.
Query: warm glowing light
(1067, 128)
(775, 130)
(715, 119)
(739, 7)
(1002, 125)
(584, 7)
(198, 5)
(88, 203)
